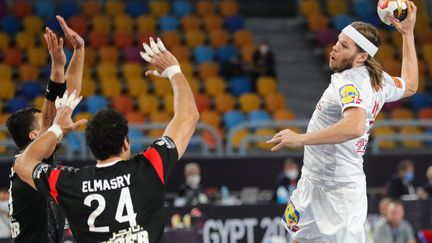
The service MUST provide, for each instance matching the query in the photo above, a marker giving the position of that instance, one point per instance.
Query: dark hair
(402, 165)
(372, 65)
(106, 132)
(20, 124)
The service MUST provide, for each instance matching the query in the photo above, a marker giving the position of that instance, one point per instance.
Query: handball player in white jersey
(330, 203)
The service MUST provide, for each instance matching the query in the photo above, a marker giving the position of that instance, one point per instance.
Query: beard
(344, 65)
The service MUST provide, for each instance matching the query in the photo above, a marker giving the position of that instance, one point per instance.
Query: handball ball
(397, 9)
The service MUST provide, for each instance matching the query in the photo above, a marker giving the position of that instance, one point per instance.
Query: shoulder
(353, 80)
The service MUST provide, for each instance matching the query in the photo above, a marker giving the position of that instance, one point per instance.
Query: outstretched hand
(406, 26)
(76, 40)
(55, 48)
(65, 107)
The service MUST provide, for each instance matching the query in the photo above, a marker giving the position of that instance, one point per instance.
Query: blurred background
(255, 67)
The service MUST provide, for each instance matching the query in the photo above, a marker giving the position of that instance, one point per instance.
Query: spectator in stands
(382, 207)
(425, 191)
(263, 60)
(191, 190)
(395, 229)
(5, 231)
(401, 183)
(286, 182)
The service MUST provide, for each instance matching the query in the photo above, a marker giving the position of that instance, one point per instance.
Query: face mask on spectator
(263, 48)
(409, 176)
(291, 174)
(193, 181)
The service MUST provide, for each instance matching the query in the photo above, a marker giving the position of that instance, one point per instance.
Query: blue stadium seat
(10, 24)
(17, 103)
(31, 89)
(234, 23)
(75, 139)
(95, 103)
(68, 9)
(233, 118)
(44, 9)
(420, 101)
(259, 115)
(182, 8)
(363, 8)
(168, 23)
(203, 53)
(341, 21)
(68, 53)
(54, 25)
(373, 19)
(240, 85)
(135, 134)
(226, 53)
(136, 8)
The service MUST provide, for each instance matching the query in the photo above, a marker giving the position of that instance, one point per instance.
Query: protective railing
(245, 147)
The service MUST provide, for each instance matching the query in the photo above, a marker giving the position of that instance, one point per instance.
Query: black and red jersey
(118, 202)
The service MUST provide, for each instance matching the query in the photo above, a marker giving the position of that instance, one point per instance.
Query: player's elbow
(412, 88)
(357, 130)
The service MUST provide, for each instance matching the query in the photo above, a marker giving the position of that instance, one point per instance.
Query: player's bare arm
(186, 116)
(351, 126)
(409, 70)
(45, 144)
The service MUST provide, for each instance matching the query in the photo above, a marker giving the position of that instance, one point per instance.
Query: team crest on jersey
(349, 94)
(291, 217)
(38, 171)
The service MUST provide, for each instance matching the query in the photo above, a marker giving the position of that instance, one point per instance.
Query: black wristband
(54, 90)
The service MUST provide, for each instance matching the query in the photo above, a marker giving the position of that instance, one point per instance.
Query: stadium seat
(238, 137)
(161, 86)
(91, 8)
(224, 102)
(123, 23)
(318, 23)
(194, 38)
(259, 115)
(240, 85)
(79, 24)
(218, 38)
(309, 7)
(242, 38)
(28, 72)
(363, 8)
(12, 56)
(411, 143)
(137, 86)
(380, 131)
(97, 40)
(144, 37)
(108, 55)
(5, 72)
(425, 113)
(203, 54)
(168, 103)
(213, 22)
(247, 53)
(37, 56)
(267, 132)
(90, 56)
(266, 85)
(95, 103)
(421, 100)
(194, 84)
(135, 134)
(39, 101)
(283, 115)
(190, 22)
(136, 8)
(114, 8)
(187, 68)
(88, 87)
(82, 115)
(31, 89)
(214, 86)
(337, 7)
(148, 104)
(135, 117)
(228, 8)
(123, 103)
(234, 23)
(249, 102)
(32, 24)
(341, 21)
(3, 136)
(160, 117)
(396, 39)
(168, 23)
(132, 70)
(203, 102)
(146, 23)
(205, 8)
(111, 87)
(327, 37)
(392, 67)
(10, 25)
(207, 70)
(21, 9)
(401, 114)
(159, 8)
(24, 40)
(106, 70)
(4, 40)
(233, 118)
(181, 52)
(7, 90)
(385, 52)
(68, 9)
(44, 9)
(16, 103)
(226, 54)
(210, 117)
(122, 40)
(182, 8)
(131, 54)
(101, 24)
(171, 39)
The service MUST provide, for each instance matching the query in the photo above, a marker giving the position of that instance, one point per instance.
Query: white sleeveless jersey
(351, 88)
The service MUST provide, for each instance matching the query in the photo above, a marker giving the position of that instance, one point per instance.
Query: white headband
(360, 40)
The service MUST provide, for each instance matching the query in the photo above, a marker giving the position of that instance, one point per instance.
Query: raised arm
(186, 116)
(43, 146)
(409, 70)
(74, 73)
(351, 126)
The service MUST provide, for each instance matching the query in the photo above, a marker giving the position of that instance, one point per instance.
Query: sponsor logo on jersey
(42, 168)
(133, 234)
(291, 217)
(349, 94)
(164, 140)
(397, 82)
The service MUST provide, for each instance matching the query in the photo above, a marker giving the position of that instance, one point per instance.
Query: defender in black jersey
(119, 199)
(34, 217)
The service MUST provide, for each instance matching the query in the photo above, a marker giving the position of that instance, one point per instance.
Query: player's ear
(361, 57)
(33, 134)
(126, 145)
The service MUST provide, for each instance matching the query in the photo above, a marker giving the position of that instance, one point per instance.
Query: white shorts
(331, 212)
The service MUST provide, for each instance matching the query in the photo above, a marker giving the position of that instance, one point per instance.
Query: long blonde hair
(372, 65)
